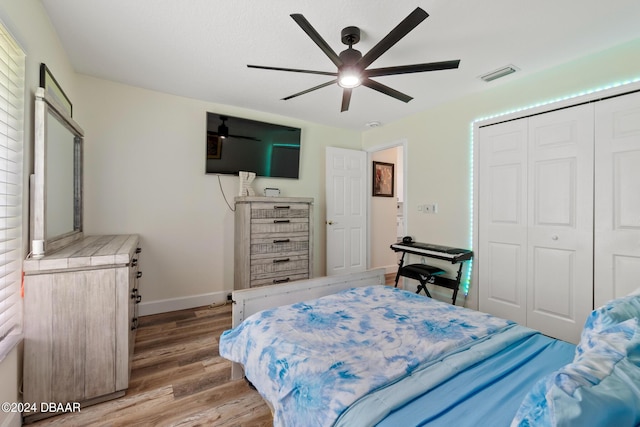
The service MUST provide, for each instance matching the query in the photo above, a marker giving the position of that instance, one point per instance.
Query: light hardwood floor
(178, 379)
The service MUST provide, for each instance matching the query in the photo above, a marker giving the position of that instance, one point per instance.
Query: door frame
(404, 143)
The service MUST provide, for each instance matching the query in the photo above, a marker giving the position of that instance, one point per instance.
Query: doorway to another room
(387, 214)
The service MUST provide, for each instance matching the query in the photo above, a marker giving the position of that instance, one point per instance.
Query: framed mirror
(56, 193)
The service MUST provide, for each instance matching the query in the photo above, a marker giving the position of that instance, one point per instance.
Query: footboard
(249, 301)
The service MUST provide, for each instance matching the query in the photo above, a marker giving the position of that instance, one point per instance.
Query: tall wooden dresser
(273, 240)
(80, 308)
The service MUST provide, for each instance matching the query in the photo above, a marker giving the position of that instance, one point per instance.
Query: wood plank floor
(178, 379)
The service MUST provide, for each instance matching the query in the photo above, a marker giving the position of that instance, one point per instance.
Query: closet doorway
(556, 220)
(387, 215)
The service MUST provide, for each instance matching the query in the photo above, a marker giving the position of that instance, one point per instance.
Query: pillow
(602, 385)
(613, 312)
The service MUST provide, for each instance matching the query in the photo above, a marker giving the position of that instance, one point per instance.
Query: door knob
(329, 222)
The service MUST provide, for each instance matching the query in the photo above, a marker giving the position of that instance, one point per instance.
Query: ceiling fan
(352, 66)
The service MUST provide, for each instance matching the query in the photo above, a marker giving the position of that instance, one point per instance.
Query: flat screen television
(235, 144)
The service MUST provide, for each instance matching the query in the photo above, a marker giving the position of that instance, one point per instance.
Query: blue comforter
(312, 360)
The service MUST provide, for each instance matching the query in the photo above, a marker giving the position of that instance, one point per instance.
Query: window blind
(12, 72)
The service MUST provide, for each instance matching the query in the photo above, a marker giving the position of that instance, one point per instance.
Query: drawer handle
(134, 323)
(138, 274)
(281, 221)
(134, 293)
(282, 241)
(134, 262)
(138, 299)
(138, 250)
(282, 207)
(276, 281)
(276, 261)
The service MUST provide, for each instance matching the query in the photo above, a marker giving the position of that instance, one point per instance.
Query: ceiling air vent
(504, 71)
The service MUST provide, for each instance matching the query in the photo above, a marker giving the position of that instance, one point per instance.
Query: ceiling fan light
(349, 78)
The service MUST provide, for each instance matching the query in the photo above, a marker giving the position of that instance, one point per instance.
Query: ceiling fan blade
(415, 68)
(386, 90)
(317, 38)
(252, 138)
(401, 30)
(311, 90)
(346, 99)
(294, 70)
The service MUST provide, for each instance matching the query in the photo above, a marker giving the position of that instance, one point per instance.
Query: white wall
(144, 173)
(439, 139)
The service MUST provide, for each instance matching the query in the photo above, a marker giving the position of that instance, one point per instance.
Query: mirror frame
(44, 106)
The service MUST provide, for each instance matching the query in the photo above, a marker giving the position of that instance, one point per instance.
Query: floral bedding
(312, 360)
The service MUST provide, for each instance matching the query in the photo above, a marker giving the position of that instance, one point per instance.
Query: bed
(349, 351)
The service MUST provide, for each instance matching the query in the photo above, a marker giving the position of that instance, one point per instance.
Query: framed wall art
(383, 183)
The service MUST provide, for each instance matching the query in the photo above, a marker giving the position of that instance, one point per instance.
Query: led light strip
(467, 279)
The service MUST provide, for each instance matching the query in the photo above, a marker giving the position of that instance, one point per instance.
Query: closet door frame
(472, 300)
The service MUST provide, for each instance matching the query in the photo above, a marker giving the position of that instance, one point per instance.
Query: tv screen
(235, 144)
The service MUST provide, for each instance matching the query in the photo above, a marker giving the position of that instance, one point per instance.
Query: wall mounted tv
(235, 144)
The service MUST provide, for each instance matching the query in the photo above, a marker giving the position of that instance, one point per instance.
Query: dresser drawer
(279, 210)
(271, 226)
(279, 246)
(278, 266)
(279, 279)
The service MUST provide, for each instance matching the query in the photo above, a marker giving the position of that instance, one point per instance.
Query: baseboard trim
(182, 303)
(388, 269)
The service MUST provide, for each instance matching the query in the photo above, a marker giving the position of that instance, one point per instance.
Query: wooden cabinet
(273, 240)
(80, 321)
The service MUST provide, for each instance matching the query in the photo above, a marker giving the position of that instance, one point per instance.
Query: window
(11, 135)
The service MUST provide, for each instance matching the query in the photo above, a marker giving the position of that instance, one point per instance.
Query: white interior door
(502, 220)
(617, 193)
(560, 217)
(346, 216)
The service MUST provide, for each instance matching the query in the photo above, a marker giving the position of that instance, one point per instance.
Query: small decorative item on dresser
(246, 178)
(271, 192)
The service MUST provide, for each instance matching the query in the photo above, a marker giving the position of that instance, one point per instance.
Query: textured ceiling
(200, 48)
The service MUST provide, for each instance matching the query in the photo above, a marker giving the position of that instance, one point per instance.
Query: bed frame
(249, 301)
